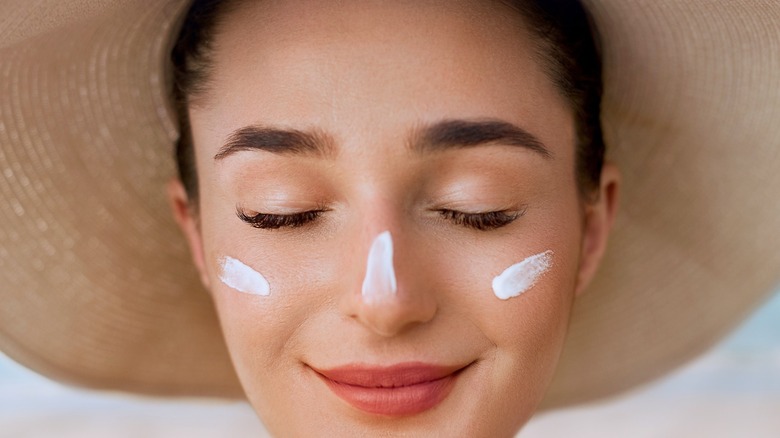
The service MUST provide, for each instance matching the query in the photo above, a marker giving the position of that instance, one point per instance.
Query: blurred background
(732, 391)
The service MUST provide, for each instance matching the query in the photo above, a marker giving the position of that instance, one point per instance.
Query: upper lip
(393, 376)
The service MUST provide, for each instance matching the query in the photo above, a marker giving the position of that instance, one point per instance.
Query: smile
(399, 390)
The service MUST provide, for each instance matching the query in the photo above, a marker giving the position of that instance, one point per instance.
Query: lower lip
(396, 402)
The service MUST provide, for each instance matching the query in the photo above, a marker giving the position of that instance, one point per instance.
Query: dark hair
(569, 47)
(566, 45)
(191, 58)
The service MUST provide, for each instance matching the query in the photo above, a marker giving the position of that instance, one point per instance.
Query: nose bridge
(387, 301)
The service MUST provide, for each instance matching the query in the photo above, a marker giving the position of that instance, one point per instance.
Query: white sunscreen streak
(522, 276)
(243, 278)
(380, 274)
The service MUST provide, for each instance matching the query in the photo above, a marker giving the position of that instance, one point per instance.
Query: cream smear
(379, 281)
(522, 276)
(242, 278)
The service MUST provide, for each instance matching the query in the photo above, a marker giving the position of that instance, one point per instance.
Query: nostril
(379, 282)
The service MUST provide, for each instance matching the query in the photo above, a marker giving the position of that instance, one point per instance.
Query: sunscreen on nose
(379, 281)
(522, 276)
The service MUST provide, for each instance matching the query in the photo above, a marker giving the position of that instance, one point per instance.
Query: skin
(369, 74)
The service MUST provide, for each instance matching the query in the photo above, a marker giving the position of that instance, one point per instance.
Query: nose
(389, 302)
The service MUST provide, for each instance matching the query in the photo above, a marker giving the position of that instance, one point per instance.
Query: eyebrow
(456, 133)
(279, 141)
(437, 137)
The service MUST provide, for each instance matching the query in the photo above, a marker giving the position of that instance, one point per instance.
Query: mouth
(398, 390)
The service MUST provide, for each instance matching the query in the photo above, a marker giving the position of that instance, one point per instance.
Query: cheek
(527, 331)
(530, 328)
(522, 325)
(523, 335)
(260, 331)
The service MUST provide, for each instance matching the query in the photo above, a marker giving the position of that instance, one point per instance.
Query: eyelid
(273, 221)
(482, 221)
(515, 209)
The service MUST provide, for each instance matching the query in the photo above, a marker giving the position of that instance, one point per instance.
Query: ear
(597, 224)
(188, 222)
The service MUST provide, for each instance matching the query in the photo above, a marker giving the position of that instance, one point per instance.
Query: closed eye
(270, 221)
(481, 221)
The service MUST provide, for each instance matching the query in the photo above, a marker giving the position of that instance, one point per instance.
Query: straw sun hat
(97, 288)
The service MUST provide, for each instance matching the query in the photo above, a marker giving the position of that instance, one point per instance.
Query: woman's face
(410, 117)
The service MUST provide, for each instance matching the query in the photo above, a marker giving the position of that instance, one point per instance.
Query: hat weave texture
(97, 286)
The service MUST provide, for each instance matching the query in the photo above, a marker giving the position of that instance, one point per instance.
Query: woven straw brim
(96, 283)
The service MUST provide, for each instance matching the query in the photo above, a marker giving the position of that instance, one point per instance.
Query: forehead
(324, 64)
(369, 22)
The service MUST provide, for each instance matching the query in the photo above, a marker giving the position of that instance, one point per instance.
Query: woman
(395, 208)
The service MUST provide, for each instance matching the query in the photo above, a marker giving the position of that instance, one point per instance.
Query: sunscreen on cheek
(242, 278)
(379, 281)
(522, 276)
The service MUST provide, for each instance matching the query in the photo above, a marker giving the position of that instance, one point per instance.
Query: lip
(398, 390)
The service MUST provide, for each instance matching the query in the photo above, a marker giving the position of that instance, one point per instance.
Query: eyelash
(268, 221)
(479, 221)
